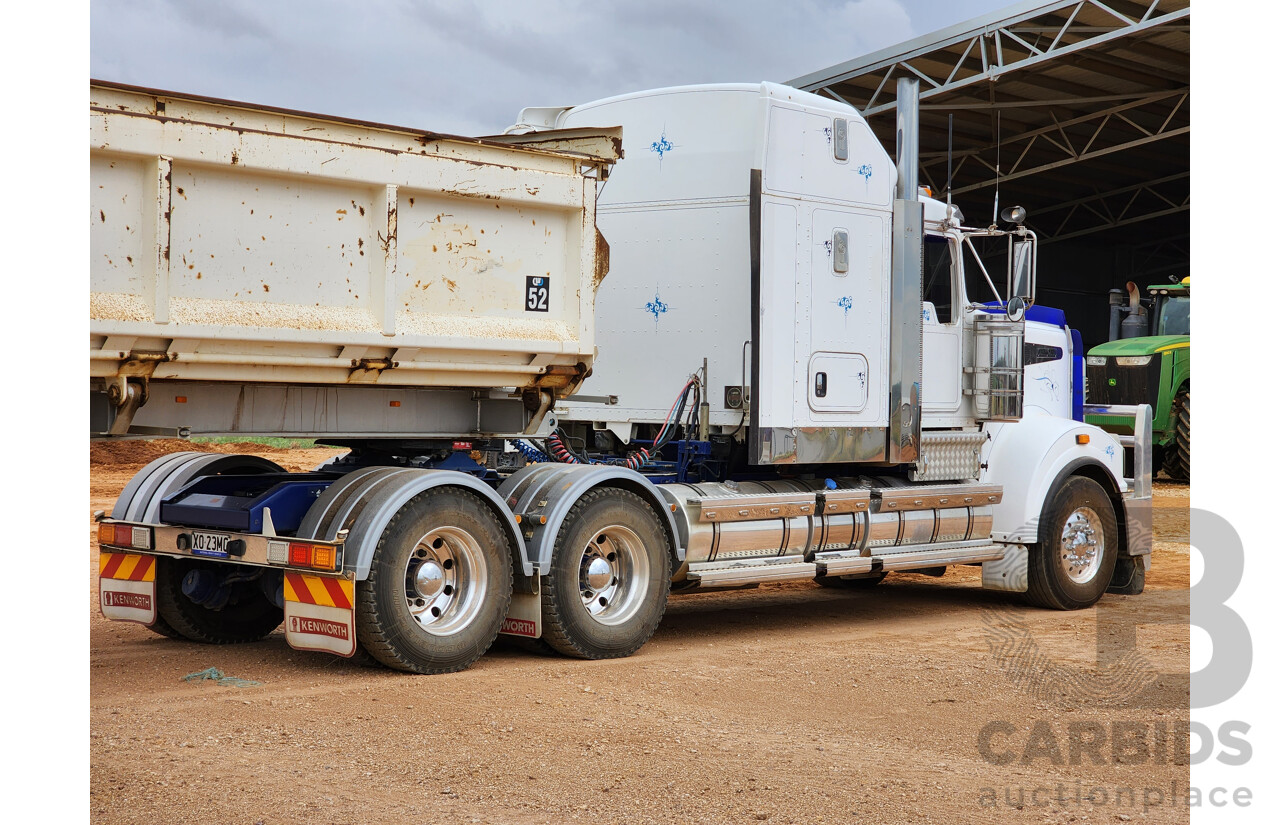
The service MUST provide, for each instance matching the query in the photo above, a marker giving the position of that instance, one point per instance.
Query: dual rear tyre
(610, 575)
(247, 617)
(439, 585)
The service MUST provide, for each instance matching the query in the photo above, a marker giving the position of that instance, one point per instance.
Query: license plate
(213, 545)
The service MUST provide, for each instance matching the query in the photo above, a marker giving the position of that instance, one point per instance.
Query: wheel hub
(613, 575)
(1082, 545)
(429, 580)
(599, 574)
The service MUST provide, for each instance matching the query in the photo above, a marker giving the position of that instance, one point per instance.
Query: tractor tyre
(1177, 458)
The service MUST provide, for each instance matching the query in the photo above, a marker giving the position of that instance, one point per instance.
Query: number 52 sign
(537, 289)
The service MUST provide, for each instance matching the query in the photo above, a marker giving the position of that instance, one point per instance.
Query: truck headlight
(1133, 360)
(1096, 360)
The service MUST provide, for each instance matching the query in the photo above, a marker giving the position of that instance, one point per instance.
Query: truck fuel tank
(802, 518)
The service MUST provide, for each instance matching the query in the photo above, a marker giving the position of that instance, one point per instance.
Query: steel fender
(363, 503)
(544, 493)
(141, 497)
(1027, 456)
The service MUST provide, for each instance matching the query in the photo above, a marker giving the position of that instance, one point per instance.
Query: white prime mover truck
(536, 444)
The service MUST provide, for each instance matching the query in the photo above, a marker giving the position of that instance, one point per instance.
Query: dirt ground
(921, 700)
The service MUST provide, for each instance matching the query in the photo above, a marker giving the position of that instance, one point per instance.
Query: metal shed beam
(988, 43)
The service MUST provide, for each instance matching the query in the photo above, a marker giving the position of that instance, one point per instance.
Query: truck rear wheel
(140, 500)
(439, 585)
(248, 616)
(610, 575)
(1073, 563)
(1177, 456)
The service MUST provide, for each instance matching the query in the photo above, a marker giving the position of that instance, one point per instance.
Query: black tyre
(860, 583)
(1072, 565)
(439, 585)
(535, 646)
(247, 617)
(141, 496)
(360, 658)
(164, 628)
(609, 579)
(1177, 457)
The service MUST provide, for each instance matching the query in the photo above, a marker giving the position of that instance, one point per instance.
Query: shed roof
(1082, 106)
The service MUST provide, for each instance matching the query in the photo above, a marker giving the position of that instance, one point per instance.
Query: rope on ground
(215, 675)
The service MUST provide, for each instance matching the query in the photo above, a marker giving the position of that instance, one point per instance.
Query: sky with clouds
(469, 66)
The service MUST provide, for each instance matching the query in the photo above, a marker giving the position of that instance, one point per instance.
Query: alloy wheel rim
(613, 575)
(445, 580)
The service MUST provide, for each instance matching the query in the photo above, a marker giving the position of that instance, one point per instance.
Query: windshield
(1175, 317)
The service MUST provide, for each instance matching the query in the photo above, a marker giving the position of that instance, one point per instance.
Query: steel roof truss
(1090, 37)
(1108, 117)
(1099, 205)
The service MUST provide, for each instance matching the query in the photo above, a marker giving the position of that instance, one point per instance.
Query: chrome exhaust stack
(906, 328)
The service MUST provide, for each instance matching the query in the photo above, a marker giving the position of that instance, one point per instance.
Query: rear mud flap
(127, 587)
(319, 614)
(524, 616)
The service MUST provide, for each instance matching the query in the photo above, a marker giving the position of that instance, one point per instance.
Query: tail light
(124, 535)
(303, 554)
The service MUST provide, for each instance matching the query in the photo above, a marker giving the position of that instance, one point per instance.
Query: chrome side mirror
(1021, 277)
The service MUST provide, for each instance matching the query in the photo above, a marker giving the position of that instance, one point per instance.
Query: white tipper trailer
(503, 374)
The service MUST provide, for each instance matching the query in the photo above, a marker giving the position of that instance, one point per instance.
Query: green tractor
(1148, 362)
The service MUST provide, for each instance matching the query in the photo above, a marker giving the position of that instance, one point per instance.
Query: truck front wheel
(1071, 566)
(609, 579)
(439, 585)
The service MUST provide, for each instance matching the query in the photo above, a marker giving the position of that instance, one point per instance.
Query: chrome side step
(938, 556)
(843, 563)
(839, 563)
(730, 573)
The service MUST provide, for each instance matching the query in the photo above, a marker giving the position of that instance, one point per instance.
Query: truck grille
(1134, 385)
